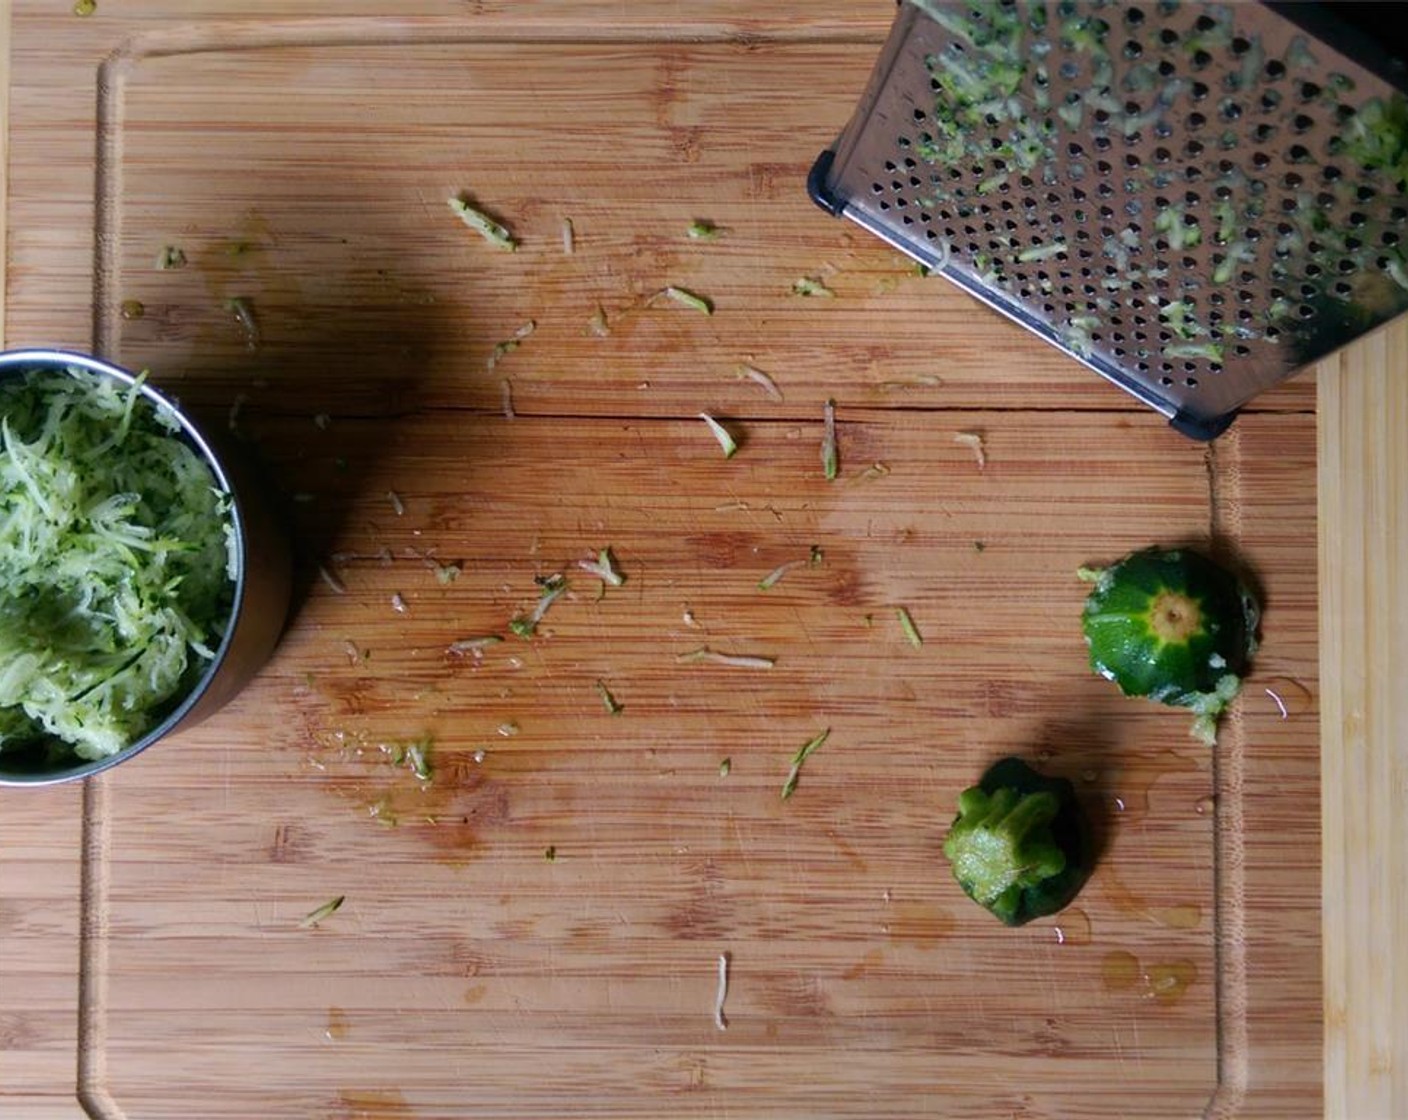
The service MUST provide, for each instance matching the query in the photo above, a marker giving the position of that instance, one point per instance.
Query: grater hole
(1166, 381)
(1309, 91)
(1198, 91)
(1270, 101)
(1263, 132)
(1331, 173)
(1102, 143)
(877, 188)
(920, 116)
(1388, 238)
(1260, 160)
(1275, 70)
(1342, 289)
(1191, 382)
(1241, 351)
(1357, 219)
(1325, 200)
(1167, 69)
(1291, 180)
(1298, 153)
(1201, 59)
(1195, 121)
(1305, 311)
(1168, 36)
(890, 166)
(1301, 123)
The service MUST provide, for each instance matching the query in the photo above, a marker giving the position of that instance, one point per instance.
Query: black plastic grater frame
(1195, 200)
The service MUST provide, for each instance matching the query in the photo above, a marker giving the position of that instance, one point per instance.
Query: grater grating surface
(1195, 200)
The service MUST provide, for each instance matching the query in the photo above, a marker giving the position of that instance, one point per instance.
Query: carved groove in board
(93, 1092)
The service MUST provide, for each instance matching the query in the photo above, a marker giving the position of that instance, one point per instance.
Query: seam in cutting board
(1223, 458)
(95, 873)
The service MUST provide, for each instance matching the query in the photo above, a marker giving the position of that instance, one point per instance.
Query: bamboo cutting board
(536, 930)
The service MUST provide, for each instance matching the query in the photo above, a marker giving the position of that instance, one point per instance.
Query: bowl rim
(12, 361)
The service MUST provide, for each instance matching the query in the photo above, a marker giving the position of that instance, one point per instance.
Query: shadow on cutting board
(312, 417)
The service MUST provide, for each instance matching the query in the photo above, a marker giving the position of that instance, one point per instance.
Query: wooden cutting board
(536, 930)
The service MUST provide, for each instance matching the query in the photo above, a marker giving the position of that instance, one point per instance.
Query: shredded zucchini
(482, 224)
(116, 563)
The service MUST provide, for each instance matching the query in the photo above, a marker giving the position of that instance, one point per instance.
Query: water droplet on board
(1183, 916)
(1167, 982)
(1285, 697)
(338, 1024)
(1076, 925)
(1205, 805)
(1120, 970)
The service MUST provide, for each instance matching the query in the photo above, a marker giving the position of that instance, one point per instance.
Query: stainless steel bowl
(263, 575)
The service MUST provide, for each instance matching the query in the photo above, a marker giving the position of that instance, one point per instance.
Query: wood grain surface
(1364, 722)
(301, 156)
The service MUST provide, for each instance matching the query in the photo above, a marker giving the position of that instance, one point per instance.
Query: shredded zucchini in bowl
(117, 563)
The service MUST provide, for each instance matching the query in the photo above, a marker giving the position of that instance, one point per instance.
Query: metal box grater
(1195, 200)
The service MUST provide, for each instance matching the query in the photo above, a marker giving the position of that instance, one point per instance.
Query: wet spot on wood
(473, 994)
(338, 1025)
(920, 923)
(370, 1104)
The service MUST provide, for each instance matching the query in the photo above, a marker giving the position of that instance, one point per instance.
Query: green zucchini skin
(1171, 626)
(1068, 831)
